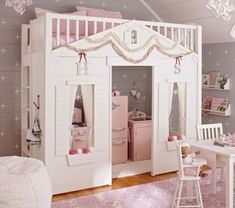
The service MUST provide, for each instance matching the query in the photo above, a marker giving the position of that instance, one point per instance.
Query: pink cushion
(99, 13)
(63, 25)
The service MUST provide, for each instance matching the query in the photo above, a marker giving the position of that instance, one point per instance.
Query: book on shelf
(214, 104)
(213, 76)
(223, 107)
(206, 102)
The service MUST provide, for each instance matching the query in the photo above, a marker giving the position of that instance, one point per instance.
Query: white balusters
(112, 24)
(192, 39)
(183, 35)
(178, 35)
(57, 32)
(95, 27)
(86, 28)
(185, 38)
(67, 31)
(77, 30)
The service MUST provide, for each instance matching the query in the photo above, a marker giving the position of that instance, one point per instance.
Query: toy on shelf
(215, 81)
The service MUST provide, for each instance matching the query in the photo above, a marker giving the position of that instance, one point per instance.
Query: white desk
(209, 152)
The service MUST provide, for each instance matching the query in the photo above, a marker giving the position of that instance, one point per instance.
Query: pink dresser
(119, 129)
(139, 147)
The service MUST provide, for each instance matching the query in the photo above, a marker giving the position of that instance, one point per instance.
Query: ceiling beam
(151, 10)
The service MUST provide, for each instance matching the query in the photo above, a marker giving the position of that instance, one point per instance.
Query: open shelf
(227, 112)
(217, 87)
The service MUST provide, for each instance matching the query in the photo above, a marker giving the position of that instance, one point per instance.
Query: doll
(188, 157)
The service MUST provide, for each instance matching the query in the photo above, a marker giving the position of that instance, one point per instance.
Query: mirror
(82, 136)
(176, 109)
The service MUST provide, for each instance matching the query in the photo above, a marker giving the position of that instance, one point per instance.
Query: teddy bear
(189, 156)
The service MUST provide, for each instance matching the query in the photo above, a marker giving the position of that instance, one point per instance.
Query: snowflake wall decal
(221, 8)
(19, 5)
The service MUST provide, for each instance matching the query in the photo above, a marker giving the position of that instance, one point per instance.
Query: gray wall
(10, 32)
(221, 57)
(123, 78)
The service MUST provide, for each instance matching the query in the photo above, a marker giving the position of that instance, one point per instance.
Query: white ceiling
(195, 11)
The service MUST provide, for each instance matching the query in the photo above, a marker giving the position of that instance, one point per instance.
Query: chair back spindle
(208, 132)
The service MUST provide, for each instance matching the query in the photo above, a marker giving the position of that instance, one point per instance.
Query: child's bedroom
(116, 104)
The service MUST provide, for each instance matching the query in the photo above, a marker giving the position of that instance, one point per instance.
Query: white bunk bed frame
(37, 61)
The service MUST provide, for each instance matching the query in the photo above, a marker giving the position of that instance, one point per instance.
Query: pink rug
(157, 194)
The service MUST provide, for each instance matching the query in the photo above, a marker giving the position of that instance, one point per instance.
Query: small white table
(209, 151)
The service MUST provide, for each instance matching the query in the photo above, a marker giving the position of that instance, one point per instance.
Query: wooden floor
(117, 184)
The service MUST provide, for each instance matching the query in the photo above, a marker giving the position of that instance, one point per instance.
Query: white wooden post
(58, 32)
(67, 30)
(199, 72)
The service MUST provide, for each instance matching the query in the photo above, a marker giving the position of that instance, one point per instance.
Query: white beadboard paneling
(62, 120)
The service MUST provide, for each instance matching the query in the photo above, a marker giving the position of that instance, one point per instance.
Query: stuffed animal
(188, 157)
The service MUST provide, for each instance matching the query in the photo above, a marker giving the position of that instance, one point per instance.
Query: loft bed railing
(49, 28)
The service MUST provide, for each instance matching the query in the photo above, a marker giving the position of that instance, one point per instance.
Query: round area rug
(157, 194)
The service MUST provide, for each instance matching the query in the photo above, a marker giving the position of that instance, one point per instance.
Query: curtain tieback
(82, 55)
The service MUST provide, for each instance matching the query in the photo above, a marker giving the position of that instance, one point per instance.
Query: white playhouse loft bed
(49, 73)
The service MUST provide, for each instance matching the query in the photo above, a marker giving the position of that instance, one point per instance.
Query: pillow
(100, 12)
(39, 12)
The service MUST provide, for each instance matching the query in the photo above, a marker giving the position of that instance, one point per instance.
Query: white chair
(207, 132)
(195, 179)
(210, 132)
